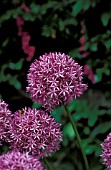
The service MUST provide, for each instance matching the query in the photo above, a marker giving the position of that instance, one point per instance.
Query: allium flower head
(15, 160)
(55, 79)
(106, 153)
(5, 115)
(34, 131)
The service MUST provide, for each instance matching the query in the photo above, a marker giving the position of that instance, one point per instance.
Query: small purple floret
(55, 79)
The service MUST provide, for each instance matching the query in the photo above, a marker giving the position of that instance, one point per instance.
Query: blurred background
(80, 28)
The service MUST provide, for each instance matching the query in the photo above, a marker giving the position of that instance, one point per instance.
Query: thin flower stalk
(78, 138)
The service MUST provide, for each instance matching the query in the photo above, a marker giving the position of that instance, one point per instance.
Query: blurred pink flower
(91, 76)
(25, 8)
(82, 40)
(19, 22)
(20, 33)
(85, 54)
(86, 69)
(82, 48)
(30, 50)
(90, 73)
(25, 40)
(82, 31)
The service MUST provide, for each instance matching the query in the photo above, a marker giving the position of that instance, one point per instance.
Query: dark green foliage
(58, 26)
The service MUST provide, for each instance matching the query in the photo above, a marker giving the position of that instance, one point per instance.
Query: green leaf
(4, 78)
(61, 25)
(108, 44)
(86, 131)
(57, 113)
(86, 46)
(66, 165)
(101, 128)
(75, 54)
(28, 16)
(99, 72)
(107, 71)
(46, 31)
(5, 42)
(17, 12)
(70, 21)
(97, 78)
(19, 64)
(14, 82)
(85, 142)
(93, 47)
(86, 4)
(7, 15)
(98, 150)
(43, 9)
(80, 115)
(65, 141)
(92, 119)
(90, 149)
(16, 66)
(35, 8)
(48, 5)
(94, 39)
(68, 131)
(12, 66)
(36, 105)
(17, 84)
(105, 18)
(77, 7)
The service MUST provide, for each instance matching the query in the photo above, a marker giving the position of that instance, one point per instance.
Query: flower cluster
(106, 153)
(5, 115)
(28, 131)
(34, 131)
(55, 79)
(15, 160)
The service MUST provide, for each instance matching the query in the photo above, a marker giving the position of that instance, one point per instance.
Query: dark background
(81, 29)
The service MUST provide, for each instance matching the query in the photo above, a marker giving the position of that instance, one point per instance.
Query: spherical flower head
(15, 160)
(34, 131)
(106, 153)
(5, 115)
(55, 79)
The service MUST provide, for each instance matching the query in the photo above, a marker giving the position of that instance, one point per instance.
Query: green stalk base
(78, 137)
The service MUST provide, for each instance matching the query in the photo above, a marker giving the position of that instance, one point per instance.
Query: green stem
(47, 163)
(78, 137)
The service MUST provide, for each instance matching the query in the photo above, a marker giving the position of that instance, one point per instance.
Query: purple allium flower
(15, 160)
(55, 79)
(5, 115)
(106, 153)
(34, 131)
